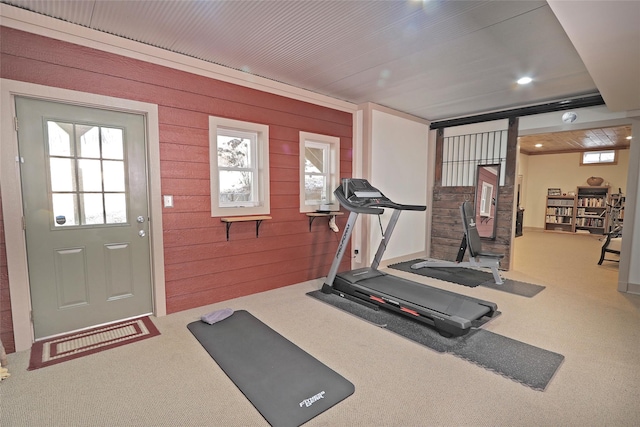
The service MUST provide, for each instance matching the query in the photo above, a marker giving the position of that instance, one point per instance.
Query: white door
(84, 190)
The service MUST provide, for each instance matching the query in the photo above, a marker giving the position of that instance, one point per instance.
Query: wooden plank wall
(201, 267)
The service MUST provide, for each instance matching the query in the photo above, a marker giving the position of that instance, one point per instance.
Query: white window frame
(261, 195)
(600, 161)
(332, 144)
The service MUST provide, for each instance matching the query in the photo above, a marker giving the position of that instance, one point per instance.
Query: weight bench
(471, 241)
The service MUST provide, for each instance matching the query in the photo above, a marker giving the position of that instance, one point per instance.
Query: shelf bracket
(313, 215)
(258, 220)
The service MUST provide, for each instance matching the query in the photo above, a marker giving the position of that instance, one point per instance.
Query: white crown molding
(376, 107)
(35, 23)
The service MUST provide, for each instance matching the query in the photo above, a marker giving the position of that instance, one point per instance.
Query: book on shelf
(552, 219)
(589, 222)
(560, 211)
(591, 202)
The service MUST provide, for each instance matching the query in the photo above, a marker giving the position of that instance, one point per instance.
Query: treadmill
(449, 313)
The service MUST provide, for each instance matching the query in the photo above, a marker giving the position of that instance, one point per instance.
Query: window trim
(599, 163)
(333, 143)
(263, 206)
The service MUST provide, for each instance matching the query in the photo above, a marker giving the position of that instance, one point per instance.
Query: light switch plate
(168, 201)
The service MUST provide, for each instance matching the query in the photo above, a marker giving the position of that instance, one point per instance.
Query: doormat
(471, 278)
(78, 344)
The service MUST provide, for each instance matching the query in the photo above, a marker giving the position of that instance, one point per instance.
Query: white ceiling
(431, 59)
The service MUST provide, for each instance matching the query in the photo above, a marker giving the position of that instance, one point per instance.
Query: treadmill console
(357, 193)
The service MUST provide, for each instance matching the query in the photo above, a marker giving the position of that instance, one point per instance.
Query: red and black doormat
(72, 346)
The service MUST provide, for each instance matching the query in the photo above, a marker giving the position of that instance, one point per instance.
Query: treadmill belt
(439, 300)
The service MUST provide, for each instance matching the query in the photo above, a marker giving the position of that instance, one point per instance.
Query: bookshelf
(560, 214)
(591, 209)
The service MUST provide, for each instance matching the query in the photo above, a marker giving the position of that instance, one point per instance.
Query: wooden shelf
(560, 214)
(231, 220)
(591, 209)
(587, 211)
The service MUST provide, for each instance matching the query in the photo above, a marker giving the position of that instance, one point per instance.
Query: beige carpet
(171, 381)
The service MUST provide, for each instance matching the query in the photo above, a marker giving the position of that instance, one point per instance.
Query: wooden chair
(612, 245)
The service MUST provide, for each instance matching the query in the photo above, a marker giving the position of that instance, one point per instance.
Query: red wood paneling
(202, 267)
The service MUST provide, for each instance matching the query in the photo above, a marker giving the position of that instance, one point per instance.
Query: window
(319, 170)
(239, 161)
(608, 157)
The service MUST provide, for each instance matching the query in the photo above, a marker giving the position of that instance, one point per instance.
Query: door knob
(141, 233)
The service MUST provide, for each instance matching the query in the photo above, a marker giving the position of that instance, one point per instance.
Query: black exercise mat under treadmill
(285, 384)
(471, 278)
(529, 365)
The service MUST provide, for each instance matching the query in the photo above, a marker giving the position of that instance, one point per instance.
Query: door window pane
(113, 175)
(89, 141)
(92, 208)
(90, 175)
(59, 136)
(63, 174)
(65, 210)
(115, 207)
(112, 144)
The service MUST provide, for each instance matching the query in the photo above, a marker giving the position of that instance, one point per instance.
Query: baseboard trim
(632, 288)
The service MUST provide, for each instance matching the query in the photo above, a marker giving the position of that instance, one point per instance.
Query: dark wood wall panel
(447, 228)
(201, 266)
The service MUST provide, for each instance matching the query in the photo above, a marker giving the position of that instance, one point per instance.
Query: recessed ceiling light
(538, 145)
(524, 80)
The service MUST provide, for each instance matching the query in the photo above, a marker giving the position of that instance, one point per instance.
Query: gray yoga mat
(471, 278)
(531, 366)
(285, 384)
